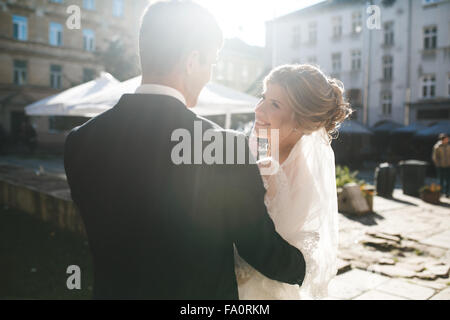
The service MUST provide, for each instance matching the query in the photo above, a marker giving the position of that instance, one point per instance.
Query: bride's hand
(267, 167)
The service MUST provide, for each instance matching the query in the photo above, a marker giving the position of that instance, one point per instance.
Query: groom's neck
(168, 81)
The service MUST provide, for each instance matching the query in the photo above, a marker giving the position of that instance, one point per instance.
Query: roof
(316, 7)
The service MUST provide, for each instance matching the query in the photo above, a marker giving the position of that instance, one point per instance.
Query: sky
(246, 19)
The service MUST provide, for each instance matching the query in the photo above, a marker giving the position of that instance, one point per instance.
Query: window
(430, 38)
(55, 76)
(56, 1)
(312, 60)
(426, 2)
(89, 40)
(337, 27)
(312, 32)
(336, 62)
(230, 71)
(386, 103)
(55, 34)
(354, 97)
(245, 73)
(428, 86)
(20, 27)
(88, 75)
(389, 33)
(387, 68)
(356, 60)
(296, 37)
(356, 22)
(89, 4)
(219, 70)
(437, 114)
(118, 8)
(20, 72)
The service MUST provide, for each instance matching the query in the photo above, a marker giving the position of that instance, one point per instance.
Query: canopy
(435, 130)
(58, 103)
(412, 128)
(104, 99)
(214, 99)
(354, 127)
(387, 126)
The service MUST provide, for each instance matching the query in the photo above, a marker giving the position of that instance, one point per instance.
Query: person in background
(28, 136)
(441, 159)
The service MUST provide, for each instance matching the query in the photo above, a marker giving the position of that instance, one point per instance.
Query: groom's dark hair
(172, 29)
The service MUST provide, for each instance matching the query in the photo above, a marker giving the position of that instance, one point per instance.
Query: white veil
(301, 198)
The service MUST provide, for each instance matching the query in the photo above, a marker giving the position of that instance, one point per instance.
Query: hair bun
(342, 108)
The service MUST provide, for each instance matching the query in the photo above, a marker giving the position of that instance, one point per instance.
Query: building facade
(43, 51)
(392, 56)
(239, 64)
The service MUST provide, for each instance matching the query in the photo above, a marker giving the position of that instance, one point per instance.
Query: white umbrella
(58, 103)
(214, 99)
(103, 100)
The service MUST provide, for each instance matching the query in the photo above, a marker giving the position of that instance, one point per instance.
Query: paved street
(400, 252)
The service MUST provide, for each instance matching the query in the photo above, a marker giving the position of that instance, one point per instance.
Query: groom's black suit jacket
(158, 230)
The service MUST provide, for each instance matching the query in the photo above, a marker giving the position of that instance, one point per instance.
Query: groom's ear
(192, 62)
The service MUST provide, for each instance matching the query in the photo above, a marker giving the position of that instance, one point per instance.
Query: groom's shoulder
(210, 125)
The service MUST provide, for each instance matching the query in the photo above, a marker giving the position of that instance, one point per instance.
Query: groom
(158, 230)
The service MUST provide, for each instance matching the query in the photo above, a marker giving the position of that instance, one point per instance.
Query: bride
(306, 107)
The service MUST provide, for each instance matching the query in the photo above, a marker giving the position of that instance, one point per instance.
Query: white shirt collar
(162, 90)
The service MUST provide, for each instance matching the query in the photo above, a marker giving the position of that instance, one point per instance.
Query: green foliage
(344, 176)
(119, 61)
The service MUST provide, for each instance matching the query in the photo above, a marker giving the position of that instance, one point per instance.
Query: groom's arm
(253, 230)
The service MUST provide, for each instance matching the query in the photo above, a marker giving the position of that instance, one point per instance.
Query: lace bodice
(301, 199)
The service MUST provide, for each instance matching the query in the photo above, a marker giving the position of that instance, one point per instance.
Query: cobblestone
(405, 241)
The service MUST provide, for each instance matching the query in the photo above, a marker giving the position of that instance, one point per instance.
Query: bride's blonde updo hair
(317, 100)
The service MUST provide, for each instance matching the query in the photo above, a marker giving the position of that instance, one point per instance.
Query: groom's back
(156, 229)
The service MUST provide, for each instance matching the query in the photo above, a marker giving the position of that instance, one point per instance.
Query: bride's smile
(274, 113)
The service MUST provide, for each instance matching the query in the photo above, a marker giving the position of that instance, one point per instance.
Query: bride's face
(273, 112)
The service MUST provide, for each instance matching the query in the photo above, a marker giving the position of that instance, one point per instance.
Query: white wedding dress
(301, 199)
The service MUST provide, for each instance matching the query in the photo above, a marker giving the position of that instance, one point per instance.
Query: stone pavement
(402, 251)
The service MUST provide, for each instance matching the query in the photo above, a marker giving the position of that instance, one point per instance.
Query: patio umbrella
(386, 127)
(58, 103)
(435, 130)
(411, 129)
(354, 127)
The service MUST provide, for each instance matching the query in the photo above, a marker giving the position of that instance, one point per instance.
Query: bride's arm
(253, 230)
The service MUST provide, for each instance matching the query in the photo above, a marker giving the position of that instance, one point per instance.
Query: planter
(369, 192)
(430, 196)
(352, 200)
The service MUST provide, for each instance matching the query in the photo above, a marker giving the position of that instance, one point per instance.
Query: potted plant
(368, 192)
(344, 177)
(431, 193)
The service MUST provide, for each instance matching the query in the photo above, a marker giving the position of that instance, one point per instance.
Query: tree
(119, 61)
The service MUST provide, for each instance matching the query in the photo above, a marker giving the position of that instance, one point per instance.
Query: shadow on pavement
(369, 219)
